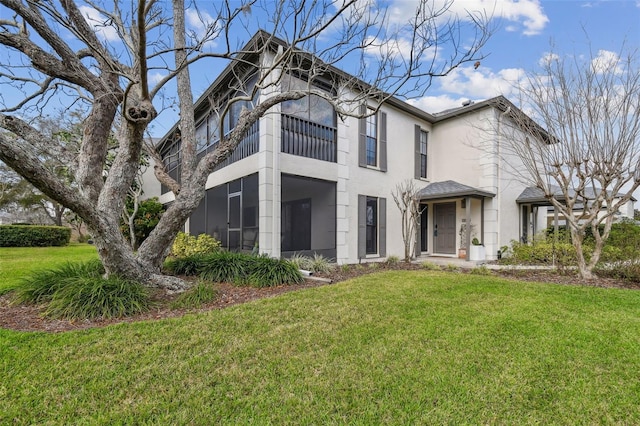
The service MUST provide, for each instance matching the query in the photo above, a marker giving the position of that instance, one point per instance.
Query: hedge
(33, 236)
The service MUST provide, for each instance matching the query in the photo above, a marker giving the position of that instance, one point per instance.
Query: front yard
(397, 347)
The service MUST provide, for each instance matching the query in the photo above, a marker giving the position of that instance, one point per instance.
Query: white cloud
(606, 61)
(525, 15)
(547, 58)
(155, 77)
(199, 21)
(98, 22)
(468, 83)
(434, 104)
(481, 83)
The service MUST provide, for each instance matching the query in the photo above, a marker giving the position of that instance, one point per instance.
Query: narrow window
(423, 153)
(372, 225)
(372, 140)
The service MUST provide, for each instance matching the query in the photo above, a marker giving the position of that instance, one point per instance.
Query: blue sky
(526, 31)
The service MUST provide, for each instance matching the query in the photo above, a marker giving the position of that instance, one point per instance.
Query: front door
(444, 228)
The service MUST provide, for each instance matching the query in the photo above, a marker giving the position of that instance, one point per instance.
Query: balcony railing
(307, 139)
(248, 146)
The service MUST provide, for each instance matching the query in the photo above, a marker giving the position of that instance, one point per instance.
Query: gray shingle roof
(535, 195)
(450, 189)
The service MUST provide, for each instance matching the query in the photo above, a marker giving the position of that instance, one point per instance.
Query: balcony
(248, 146)
(307, 139)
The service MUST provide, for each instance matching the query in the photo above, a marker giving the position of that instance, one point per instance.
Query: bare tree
(583, 150)
(105, 57)
(405, 198)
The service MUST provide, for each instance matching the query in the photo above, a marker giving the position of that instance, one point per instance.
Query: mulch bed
(30, 318)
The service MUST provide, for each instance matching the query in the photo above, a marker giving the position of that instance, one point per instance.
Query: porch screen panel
(217, 213)
(197, 221)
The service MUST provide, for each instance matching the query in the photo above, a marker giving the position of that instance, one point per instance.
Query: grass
(398, 347)
(18, 262)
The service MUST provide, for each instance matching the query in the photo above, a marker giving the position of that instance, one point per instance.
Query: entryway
(444, 228)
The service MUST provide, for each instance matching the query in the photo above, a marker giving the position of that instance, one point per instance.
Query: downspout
(499, 172)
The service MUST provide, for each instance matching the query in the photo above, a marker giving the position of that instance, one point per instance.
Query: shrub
(87, 297)
(40, 286)
(430, 266)
(452, 268)
(268, 272)
(189, 265)
(393, 260)
(203, 292)
(79, 291)
(225, 266)
(301, 261)
(373, 265)
(147, 217)
(321, 264)
(544, 251)
(626, 270)
(186, 244)
(345, 267)
(481, 270)
(34, 236)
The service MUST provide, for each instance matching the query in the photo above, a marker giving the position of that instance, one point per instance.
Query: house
(305, 181)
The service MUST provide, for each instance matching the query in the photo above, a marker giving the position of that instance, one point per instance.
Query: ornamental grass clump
(79, 291)
(189, 265)
(321, 264)
(40, 286)
(225, 266)
(268, 272)
(86, 297)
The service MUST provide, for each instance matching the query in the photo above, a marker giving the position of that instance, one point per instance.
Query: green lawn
(16, 262)
(409, 347)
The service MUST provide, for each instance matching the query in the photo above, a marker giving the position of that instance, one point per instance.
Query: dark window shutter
(362, 138)
(383, 141)
(362, 226)
(382, 227)
(417, 154)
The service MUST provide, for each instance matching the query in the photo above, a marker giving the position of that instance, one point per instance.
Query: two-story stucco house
(304, 181)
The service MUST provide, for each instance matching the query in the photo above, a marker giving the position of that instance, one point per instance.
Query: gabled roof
(450, 189)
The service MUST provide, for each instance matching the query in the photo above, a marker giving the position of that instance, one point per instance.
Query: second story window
(372, 139)
(421, 151)
(372, 144)
(423, 154)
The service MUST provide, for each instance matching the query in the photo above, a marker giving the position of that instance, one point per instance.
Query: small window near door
(372, 225)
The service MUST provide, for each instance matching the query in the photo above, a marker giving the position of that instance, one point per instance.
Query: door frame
(453, 206)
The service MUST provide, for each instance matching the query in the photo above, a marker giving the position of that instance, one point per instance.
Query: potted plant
(476, 251)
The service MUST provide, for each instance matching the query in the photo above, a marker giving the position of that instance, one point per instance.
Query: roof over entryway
(451, 189)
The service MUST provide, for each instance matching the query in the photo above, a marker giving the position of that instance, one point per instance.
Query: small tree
(405, 198)
(582, 148)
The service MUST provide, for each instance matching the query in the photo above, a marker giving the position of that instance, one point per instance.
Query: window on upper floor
(373, 139)
(421, 152)
(311, 108)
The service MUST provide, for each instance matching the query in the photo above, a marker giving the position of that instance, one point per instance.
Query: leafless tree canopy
(583, 148)
(124, 60)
